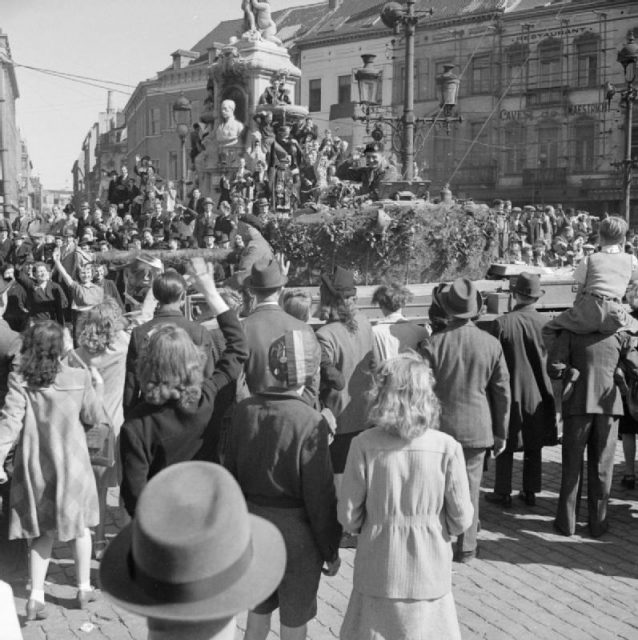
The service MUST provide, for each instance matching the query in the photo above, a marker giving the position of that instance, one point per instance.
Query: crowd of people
(547, 235)
(355, 434)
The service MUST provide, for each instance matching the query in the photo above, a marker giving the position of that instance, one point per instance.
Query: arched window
(516, 58)
(583, 146)
(549, 63)
(587, 60)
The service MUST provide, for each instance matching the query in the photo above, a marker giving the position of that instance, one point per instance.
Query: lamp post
(398, 17)
(182, 120)
(628, 58)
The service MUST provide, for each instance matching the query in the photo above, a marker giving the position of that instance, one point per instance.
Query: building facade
(539, 123)
(10, 142)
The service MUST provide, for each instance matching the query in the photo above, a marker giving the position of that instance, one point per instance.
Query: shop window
(314, 95)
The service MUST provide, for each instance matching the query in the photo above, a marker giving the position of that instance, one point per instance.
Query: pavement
(528, 583)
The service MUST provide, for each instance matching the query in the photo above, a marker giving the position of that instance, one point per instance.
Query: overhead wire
(496, 106)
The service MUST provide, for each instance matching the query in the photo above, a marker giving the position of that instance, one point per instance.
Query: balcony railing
(544, 176)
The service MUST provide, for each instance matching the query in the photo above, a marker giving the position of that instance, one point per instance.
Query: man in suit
(169, 290)
(267, 322)
(205, 221)
(532, 420)
(5, 242)
(473, 386)
(590, 414)
(196, 202)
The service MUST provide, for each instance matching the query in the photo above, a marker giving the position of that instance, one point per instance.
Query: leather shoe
(504, 499)
(36, 610)
(84, 596)
(558, 530)
(529, 497)
(465, 556)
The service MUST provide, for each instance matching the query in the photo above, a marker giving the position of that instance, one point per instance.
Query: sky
(122, 41)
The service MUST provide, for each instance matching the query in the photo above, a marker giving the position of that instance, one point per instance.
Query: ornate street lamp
(182, 121)
(628, 58)
(400, 18)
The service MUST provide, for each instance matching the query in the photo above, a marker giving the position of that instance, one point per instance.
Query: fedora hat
(528, 284)
(461, 299)
(265, 275)
(341, 283)
(193, 552)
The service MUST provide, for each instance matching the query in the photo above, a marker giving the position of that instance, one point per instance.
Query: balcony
(545, 176)
(540, 96)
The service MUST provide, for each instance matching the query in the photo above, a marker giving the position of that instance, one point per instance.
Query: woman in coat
(53, 489)
(405, 493)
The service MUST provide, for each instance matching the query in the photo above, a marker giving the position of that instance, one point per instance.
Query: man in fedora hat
(472, 383)
(191, 560)
(532, 419)
(266, 322)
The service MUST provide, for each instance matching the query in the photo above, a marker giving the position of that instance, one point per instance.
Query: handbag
(100, 440)
(100, 437)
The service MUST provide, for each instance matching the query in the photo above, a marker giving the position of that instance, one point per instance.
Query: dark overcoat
(532, 421)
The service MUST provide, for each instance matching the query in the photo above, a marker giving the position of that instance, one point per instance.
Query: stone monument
(250, 89)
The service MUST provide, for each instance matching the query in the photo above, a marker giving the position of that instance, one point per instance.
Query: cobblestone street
(528, 582)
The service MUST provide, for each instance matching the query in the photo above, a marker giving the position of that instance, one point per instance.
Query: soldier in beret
(377, 170)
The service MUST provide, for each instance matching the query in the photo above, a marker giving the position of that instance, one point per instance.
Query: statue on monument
(258, 20)
(228, 131)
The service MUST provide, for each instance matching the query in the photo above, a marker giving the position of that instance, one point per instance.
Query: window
(516, 67)
(154, 121)
(480, 76)
(421, 80)
(548, 145)
(514, 148)
(583, 146)
(172, 166)
(344, 88)
(549, 61)
(314, 95)
(587, 62)
(195, 110)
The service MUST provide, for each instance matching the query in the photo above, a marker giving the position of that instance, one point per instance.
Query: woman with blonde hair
(53, 491)
(405, 493)
(175, 421)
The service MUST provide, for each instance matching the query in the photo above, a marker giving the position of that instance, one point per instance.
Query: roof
(360, 17)
(526, 5)
(291, 23)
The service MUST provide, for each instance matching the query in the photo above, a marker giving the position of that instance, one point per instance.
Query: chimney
(177, 60)
(109, 103)
(334, 4)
